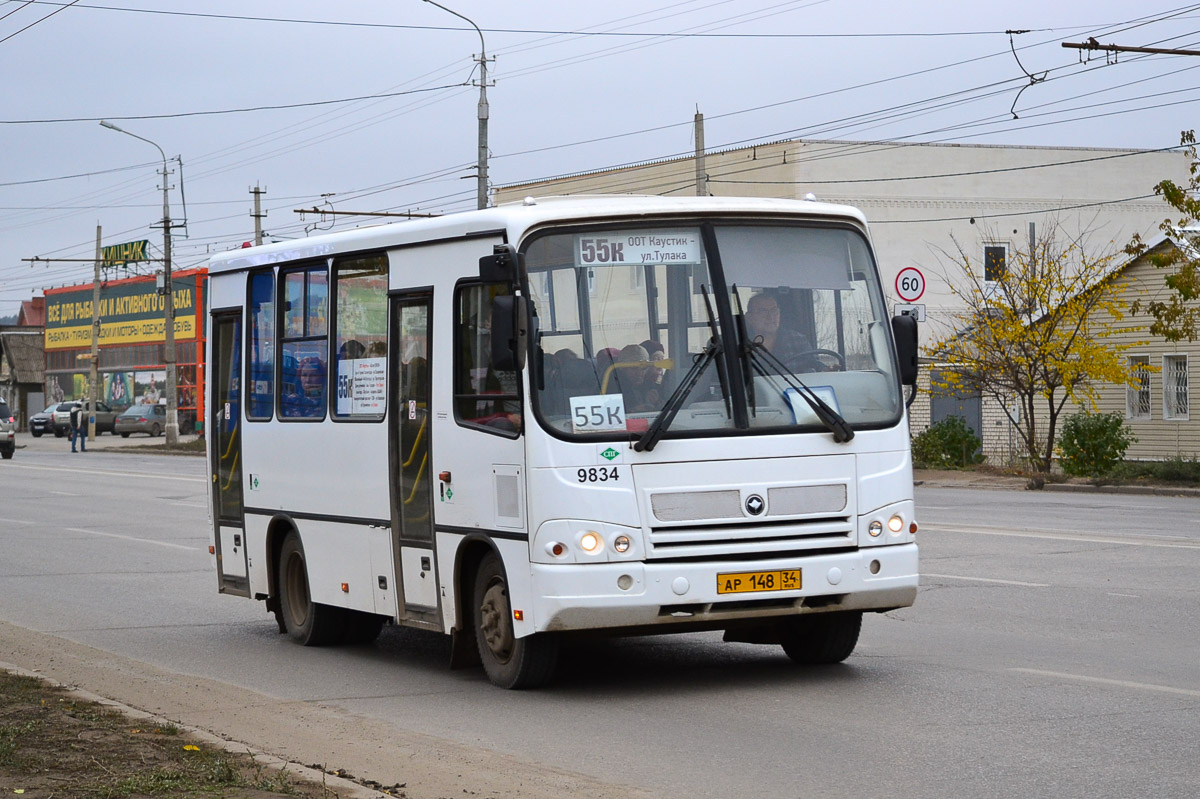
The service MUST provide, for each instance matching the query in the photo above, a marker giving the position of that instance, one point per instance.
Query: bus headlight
(621, 544)
(590, 542)
(875, 529)
(896, 524)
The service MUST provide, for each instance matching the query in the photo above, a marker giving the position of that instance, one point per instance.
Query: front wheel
(309, 623)
(124, 435)
(821, 637)
(510, 662)
(8, 453)
(35, 433)
(154, 431)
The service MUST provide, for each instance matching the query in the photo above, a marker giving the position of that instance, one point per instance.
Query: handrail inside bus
(665, 363)
(416, 443)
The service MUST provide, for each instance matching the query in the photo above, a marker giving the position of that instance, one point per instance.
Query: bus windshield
(630, 332)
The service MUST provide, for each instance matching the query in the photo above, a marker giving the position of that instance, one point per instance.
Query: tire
(35, 433)
(307, 622)
(510, 662)
(7, 454)
(362, 628)
(821, 638)
(155, 431)
(124, 435)
(59, 433)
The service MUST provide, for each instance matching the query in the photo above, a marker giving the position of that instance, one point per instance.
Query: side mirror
(904, 331)
(501, 266)
(509, 332)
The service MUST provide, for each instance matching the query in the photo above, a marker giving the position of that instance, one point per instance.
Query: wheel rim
(296, 590)
(494, 623)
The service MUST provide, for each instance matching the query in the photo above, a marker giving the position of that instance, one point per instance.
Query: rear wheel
(59, 433)
(821, 637)
(155, 430)
(36, 433)
(7, 453)
(310, 623)
(510, 662)
(124, 435)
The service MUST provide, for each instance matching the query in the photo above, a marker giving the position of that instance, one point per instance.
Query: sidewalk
(101, 443)
(965, 478)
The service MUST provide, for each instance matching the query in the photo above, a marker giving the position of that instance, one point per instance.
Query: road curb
(1072, 488)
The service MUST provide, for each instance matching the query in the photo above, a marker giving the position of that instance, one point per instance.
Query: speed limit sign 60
(910, 284)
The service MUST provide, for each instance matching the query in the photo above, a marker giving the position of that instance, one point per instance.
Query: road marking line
(1144, 686)
(1130, 596)
(114, 474)
(16, 521)
(985, 580)
(132, 538)
(1177, 543)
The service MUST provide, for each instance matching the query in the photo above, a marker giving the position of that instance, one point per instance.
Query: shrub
(1092, 444)
(1173, 470)
(948, 444)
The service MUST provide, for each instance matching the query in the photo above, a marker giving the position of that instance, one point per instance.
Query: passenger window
(262, 346)
(360, 338)
(304, 344)
(483, 395)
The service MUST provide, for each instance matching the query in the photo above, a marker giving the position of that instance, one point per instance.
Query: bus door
(224, 427)
(410, 465)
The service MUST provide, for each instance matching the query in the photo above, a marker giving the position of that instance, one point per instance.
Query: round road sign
(910, 284)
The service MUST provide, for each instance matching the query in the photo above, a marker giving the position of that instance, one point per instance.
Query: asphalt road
(1054, 650)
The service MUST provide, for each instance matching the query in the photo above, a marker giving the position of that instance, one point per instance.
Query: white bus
(564, 417)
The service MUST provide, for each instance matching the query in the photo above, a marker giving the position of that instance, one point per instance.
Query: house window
(995, 262)
(1175, 387)
(1137, 396)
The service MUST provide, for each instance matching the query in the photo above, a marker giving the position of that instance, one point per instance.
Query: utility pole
(1092, 44)
(94, 371)
(482, 167)
(701, 170)
(258, 214)
(168, 294)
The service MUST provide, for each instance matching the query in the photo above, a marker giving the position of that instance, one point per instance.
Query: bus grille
(725, 541)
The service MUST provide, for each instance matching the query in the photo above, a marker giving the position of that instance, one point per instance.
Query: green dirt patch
(52, 744)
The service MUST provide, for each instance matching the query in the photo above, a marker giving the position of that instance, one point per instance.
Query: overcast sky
(566, 98)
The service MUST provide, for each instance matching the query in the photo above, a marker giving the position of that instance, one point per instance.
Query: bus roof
(514, 219)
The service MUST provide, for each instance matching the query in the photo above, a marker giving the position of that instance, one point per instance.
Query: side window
(360, 337)
(1175, 387)
(1137, 396)
(304, 343)
(995, 262)
(261, 399)
(483, 395)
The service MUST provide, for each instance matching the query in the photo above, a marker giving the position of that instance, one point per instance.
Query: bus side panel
(344, 559)
(515, 555)
(256, 550)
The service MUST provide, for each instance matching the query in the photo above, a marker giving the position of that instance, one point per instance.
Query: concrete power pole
(94, 371)
(701, 170)
(258, 214)
(169, 316)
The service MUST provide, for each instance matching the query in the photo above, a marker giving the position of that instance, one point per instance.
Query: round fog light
(624, 582)
(590, 542)
(895, 524)
(621, 543)
(875, 529)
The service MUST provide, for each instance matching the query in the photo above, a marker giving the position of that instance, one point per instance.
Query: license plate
(751, 582)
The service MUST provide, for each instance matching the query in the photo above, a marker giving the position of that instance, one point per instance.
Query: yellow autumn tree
(1034, 334)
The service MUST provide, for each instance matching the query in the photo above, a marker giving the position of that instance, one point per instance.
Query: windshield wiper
(674, 403)
(756, 353)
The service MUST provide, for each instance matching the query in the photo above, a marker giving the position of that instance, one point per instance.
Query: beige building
(925, 204)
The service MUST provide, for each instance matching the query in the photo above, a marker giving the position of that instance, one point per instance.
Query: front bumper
(588, 597)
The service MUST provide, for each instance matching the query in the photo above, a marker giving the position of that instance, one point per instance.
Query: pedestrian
(78, 428)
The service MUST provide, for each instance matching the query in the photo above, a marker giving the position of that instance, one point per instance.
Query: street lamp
(482, 169)
(169, 298)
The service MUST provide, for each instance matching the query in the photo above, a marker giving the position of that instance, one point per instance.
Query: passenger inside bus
(634, 377)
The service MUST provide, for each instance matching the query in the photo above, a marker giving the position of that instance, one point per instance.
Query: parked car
(41, 423)
(8, 431)
(148, 419)
(106, 417)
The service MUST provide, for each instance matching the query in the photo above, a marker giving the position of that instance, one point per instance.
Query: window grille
(1175, 387)
(1137, 397)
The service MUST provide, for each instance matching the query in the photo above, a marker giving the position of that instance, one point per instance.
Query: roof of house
(33, 312)
(24, 351)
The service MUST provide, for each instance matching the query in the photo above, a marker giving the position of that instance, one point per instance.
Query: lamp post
(169, 298)
(482, 169)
